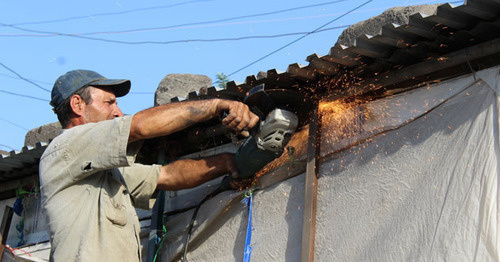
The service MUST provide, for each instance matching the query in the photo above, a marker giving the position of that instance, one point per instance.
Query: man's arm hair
(170, 118)
(188, 173)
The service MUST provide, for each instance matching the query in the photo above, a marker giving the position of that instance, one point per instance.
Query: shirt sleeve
(141, 181)
(99, 146)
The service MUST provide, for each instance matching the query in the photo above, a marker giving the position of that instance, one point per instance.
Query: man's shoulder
(65, 138)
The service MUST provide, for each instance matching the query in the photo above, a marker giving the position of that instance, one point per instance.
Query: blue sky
(41, 40)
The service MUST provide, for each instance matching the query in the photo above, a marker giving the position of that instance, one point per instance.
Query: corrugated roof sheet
(19, 164)
(395, 46)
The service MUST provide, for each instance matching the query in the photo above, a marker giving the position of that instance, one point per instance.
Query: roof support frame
(311, 187)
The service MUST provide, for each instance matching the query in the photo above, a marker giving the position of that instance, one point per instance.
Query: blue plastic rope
(248, 239)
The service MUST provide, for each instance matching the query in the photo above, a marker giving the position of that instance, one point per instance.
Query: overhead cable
(300, 38)
(202, 40)
(214, 21)
(25, 96)
(109, 13)
(41, 33)
(41, 82)
(23, 78)
(14, 124)
(141, 93)
(9, 147)
(188, 24)
(185, 25)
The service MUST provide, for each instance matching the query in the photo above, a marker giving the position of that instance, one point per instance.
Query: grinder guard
(267, 143)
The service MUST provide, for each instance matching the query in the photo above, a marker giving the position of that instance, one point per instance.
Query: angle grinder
(268, 138)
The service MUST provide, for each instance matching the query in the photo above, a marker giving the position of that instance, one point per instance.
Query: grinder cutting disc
(262, 101)
(293, 101)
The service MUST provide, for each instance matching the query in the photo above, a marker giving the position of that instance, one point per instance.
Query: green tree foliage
(222, 80)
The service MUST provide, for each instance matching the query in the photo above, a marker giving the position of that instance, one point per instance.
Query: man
(89, 181)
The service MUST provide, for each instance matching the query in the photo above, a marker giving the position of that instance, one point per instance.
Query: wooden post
(4, 228)
(311, 186)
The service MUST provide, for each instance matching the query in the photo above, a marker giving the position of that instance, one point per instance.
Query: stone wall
(179, 85)
(43, 133)
(372, 26)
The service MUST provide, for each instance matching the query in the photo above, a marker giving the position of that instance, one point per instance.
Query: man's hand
(235, 183)
(239, 117)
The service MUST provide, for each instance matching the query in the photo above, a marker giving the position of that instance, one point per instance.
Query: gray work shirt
(90, 186)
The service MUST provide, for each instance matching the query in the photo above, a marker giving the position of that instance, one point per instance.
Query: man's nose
(117, 112)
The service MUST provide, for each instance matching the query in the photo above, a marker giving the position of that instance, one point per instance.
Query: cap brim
(120, 87)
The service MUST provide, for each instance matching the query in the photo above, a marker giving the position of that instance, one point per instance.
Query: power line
(197, 23)
(34, 80)
(215, 39)
(141, 93)
(9, 147)
(215, 21)
(109, 13)
(51, 34)
(14, 124)
(236, 38)
(25, 79)
(300, 38)
(85, 35)
(25, 96)
(59, 34)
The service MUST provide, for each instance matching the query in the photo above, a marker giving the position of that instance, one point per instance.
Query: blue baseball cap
(67, 84)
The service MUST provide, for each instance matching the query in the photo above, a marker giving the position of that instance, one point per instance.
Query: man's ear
(77, 105)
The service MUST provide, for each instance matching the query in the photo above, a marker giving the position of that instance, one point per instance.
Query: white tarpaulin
(415, 180)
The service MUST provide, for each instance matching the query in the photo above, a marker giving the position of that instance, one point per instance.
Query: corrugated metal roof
(372, 61)
(19, 164)
(424, 37)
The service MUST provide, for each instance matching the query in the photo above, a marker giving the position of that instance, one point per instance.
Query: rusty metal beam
(4, 228)
(311, 186)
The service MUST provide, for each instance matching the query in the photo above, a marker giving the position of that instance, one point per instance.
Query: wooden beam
(4, 228)
(311, 186)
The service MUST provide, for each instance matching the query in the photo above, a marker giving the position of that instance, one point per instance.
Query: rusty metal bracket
(311, 186)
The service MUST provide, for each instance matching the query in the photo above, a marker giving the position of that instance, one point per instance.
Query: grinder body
(266, 143)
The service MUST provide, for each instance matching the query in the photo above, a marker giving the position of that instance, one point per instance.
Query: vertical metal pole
(4, 228)
(311, 186)
(156, 226)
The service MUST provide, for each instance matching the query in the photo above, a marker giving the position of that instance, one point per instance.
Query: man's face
(103, 106)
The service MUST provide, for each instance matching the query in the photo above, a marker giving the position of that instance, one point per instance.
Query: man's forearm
(188, 173)
(170, 118)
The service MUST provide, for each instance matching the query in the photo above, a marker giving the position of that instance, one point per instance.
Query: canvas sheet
(415, 179)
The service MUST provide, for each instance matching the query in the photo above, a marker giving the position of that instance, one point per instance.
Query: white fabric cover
(417, 182)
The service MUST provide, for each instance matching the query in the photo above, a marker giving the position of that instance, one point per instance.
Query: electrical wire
(23, 78)
(221, 188)
(141, 93)
(9, 147)
(108, 14)
(14, 124)
(181, 25)
(211, 40)
(49, 34)
(300, 38)
(41, 82)
(25, 96)
(12, 251)
(215, 21)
